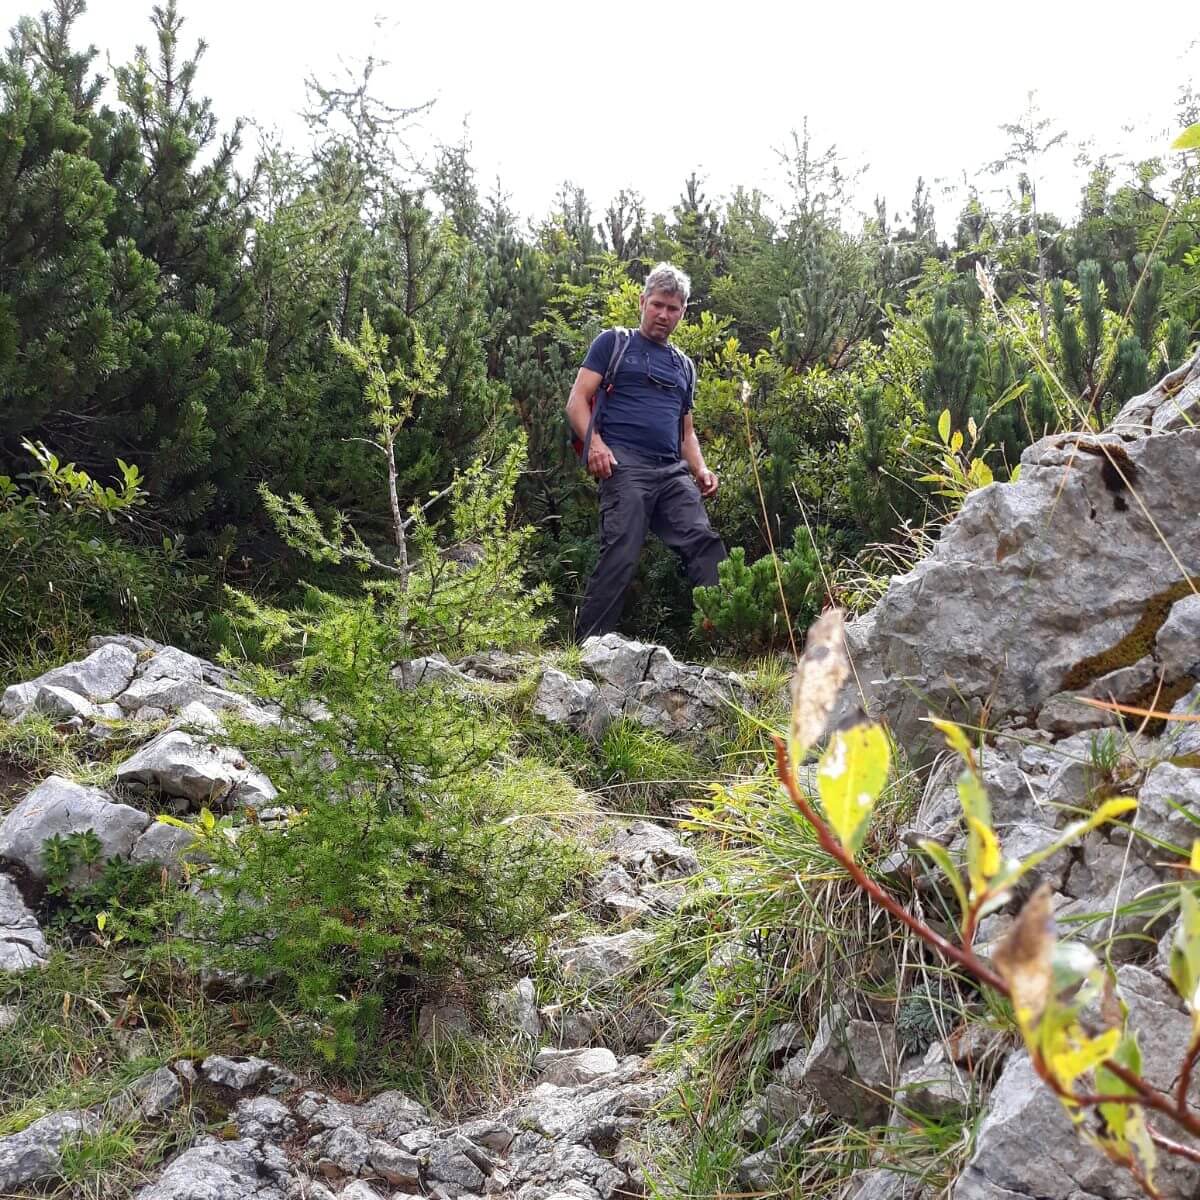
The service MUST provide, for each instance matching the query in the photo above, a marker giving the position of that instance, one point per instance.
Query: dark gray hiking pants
(635, 499)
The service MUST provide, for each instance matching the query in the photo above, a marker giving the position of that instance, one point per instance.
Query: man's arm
(600, 458)
(706, 480)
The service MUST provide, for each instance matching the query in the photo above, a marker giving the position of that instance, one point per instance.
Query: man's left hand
(707, 482)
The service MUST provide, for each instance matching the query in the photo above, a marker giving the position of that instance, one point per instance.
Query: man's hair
(669, 279)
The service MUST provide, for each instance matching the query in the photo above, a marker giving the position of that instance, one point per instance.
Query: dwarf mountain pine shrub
(743, 609)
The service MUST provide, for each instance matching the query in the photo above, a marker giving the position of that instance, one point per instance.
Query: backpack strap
(689, 369)
(621, 342)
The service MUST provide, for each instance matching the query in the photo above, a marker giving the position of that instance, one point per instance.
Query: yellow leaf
(956, 441)
(1194, 861)
(955, 738)
(818, 680)
(852, 773)
(1072, 1061)
(943, 426)
(987, 855)
(1024, 959)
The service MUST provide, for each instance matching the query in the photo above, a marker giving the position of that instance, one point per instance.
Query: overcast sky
(639, 96)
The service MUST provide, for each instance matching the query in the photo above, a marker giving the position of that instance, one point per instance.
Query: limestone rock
(646, 682)
(517, 1007)
(220, 1170)
(575, 703)
(263, 1118)
(157, 1093)
(178, 764)
(241, 1074)
(389, 1115)
(1167, 790)
(22, 945)
(935, 1087)
(566, 1068)
(99, 677)
(398, 1167)
(649, 853)
(849, 1066)
(454, 1169)
(600, 958)
(417, 672)
(1168, 406)
(33, 1154)
(168, 846)
(981, 620)
(1023, 1113)
(1178, 641)
(58, 806)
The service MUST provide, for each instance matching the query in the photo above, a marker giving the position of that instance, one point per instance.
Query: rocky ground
(1077, 582)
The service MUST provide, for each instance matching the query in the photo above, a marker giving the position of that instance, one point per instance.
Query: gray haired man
(644, 452)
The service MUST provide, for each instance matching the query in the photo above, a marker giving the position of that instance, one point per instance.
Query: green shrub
(742, 609)
(67, 570)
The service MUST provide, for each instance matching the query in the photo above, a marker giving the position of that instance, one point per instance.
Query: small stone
(157, 1092)
(400, 1168)
(239, 1074)
(569, 1068)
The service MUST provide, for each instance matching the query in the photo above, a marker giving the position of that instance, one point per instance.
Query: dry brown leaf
(819, 677)
(1024, 957)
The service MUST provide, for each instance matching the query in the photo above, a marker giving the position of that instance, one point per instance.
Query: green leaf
(1189, 139)
(850, 777)
(943, 426)
(1185, 954)
(941, 856)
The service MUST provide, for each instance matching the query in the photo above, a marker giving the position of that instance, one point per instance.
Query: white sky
(639, 96)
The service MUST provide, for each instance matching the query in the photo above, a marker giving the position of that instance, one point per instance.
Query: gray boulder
(168, 846)
(517, 1008)
(981, 620)
(157, 1093)
(418, 672)
(221, 1170)
(58, 806)
(105, 672)
(241, 1074)
(646, 682)
(1170, 405)
(1177, 644)
(389, 1115)
(33, 1155)
(178, 764)
(456, 1167)
(1023, 1114)
(263, 1118)
(650, 853)
(575, 703)
(22, 945)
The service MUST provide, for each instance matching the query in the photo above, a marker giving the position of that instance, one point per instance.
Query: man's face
(661, 312)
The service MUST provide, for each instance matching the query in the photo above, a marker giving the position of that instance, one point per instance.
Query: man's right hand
(600, 459)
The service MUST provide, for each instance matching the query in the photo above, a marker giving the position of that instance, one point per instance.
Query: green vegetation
(328, 395)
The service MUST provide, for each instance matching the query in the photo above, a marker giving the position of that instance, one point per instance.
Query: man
(644, 451)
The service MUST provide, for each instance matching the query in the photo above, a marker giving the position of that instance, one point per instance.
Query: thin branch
(830, 844)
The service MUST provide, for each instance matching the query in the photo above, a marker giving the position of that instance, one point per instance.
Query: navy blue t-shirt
(651, 393)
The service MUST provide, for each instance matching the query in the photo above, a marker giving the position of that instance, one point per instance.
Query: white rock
(58, 806)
